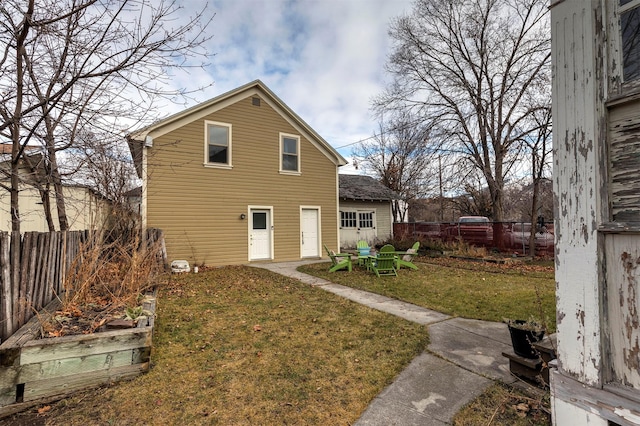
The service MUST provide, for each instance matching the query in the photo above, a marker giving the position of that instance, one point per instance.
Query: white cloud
(324, 58)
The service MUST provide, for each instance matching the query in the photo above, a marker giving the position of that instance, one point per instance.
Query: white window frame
(297, 172)
(229, 163)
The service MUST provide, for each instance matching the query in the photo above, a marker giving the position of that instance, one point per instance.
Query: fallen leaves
(44, 410)
(521, 409)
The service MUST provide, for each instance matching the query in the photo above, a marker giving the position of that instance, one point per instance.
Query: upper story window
(630, 38)
(289, 153)
(217, 144)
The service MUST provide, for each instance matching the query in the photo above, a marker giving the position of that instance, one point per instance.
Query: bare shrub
(111, 274)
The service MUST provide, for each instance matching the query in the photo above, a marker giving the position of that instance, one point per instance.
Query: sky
(324, 58)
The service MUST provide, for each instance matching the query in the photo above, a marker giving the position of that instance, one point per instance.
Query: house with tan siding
(239, 178)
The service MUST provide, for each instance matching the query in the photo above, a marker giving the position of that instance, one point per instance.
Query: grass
(240, 345)
(466, 289)
(504, 406)
(478, 290)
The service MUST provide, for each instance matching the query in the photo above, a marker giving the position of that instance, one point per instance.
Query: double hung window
(289, 153)
(217, 144)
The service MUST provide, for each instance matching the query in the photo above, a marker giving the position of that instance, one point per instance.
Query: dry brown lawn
(244, 346)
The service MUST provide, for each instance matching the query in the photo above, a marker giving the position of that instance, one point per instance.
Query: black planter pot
(522, 340)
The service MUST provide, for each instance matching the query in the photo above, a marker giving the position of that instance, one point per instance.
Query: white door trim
(251, 209)
(318, 210)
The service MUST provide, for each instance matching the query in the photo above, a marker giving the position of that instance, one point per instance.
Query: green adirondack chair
(363, 252)
(385, 262)
(339, 260)
(406, 258)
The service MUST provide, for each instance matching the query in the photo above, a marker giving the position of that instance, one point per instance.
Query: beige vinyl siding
(84, 210)
(199, 207)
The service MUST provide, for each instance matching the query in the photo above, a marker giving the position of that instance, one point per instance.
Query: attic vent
(255, 101)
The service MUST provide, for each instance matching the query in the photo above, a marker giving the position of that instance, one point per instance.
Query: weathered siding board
(577, 173)
(199, 207)
(624, 137)
(623, 308)
(597, 185)
(586, 405)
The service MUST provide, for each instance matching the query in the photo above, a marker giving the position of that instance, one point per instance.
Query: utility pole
(441, 194)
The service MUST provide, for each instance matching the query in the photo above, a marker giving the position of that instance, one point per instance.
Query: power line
(383, 132)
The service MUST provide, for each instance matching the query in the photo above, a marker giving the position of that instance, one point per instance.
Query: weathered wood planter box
(34, 371)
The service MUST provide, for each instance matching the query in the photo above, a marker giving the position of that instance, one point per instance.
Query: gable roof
(145, 136)
(365, 188)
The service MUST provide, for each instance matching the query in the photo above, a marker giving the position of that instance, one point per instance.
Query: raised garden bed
(34, 370)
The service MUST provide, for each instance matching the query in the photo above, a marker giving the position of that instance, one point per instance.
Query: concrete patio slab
(475, 345)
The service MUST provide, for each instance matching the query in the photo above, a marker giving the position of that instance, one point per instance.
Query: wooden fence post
(6, 315)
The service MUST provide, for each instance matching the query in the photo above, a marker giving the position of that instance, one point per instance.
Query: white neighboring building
(85, 208)
(365, 210)
(596, 135)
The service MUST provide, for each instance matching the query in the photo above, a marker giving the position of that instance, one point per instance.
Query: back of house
(239, 178)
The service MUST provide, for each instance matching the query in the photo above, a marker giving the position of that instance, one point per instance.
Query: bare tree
(70, 66)
(467, 65)
(103, 164)
(475, 199)
(539, 147)
(400, 156)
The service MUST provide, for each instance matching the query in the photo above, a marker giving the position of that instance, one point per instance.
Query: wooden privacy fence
(45, 259)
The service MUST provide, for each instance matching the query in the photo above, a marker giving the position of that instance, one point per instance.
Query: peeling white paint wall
(568, 414)
(576, 135)
(596, 184)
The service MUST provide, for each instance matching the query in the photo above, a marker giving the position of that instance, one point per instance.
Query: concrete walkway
(463, 358)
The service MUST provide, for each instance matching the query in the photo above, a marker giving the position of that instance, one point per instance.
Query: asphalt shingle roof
(366, 188)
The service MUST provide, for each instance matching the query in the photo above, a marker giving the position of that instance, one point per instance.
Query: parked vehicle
(519, 237)
(473, 229)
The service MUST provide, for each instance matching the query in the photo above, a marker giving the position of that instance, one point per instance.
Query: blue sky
(323, 58)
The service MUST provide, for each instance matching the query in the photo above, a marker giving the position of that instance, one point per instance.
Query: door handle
(303, 238)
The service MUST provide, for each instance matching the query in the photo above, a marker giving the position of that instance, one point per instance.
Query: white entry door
(309, 233)
(260, 236)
